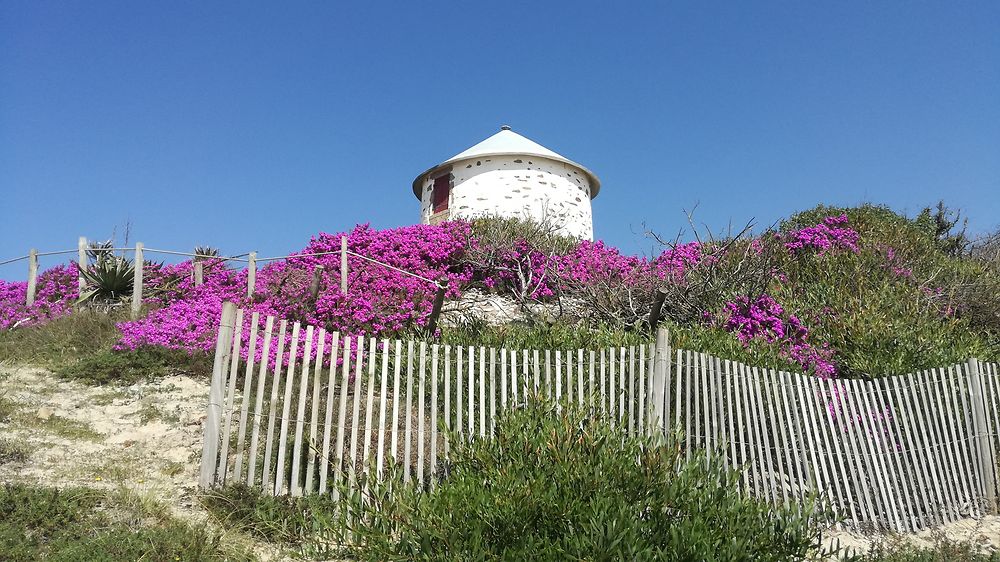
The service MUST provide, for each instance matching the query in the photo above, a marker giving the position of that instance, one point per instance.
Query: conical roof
(508, 143)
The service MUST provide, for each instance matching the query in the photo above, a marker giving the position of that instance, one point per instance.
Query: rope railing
(250, 258)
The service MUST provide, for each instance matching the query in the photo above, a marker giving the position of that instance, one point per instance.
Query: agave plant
(110, 278)
(100, 251)
(205, 252)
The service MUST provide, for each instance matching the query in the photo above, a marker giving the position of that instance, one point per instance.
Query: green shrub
(129, 367)
(79, 524)
(558, 483)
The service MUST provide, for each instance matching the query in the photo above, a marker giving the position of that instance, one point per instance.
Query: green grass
(80, 347)
(78, 524)
(61, 341)
(285, 520)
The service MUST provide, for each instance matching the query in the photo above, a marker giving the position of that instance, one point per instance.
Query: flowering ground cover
(832, 292)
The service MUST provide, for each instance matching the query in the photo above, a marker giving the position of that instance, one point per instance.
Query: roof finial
(504, 127)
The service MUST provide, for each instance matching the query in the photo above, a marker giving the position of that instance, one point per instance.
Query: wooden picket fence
(309, 411)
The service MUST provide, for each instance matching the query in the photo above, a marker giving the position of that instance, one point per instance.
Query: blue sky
(254, 126)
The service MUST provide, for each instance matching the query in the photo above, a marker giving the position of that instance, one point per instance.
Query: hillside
(834, 292)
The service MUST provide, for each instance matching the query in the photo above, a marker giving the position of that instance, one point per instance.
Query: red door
(439, 197)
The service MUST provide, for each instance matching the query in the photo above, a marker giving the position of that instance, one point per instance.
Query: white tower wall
(516, 186)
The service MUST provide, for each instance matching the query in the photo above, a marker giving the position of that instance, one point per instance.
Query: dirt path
(145, 437)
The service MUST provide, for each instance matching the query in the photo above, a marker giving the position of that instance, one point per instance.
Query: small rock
(44, 413)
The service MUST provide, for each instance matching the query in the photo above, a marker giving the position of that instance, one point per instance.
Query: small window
(439, 197)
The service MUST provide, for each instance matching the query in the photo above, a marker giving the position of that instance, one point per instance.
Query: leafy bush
(559, 483)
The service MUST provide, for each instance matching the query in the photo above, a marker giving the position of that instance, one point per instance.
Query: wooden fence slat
(312, 446)
(352, 460)
(526, 375)
(247, 394)
(621, 385)
(579, 378)
(632, 398)
(604, 383)
(569, 376)
(234, 365)
(331, 385)
(210, 448)
(538, 372)
(458, 392)
(558, 376)
(731, 436)
(383, 396)
(845, 397)
(434, 413)
(396, 397)
(345, 379)
(749, 442)
(408, 414)
(689, 431)
(703, 373)
(482, 391)
(370, 432)
(421, 412)
(447, 400)
(503, 379)
(493, 388)
(472, 392)
(548, 374)
(259, 404)
(286, 412)
(272, 417)
(792, 437)
(594, 397)
(300, 413)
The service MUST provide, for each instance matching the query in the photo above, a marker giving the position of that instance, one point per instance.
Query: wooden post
(199, 272)
(32, 276)
(251, 273)
(223, 348)
(987, 457)
(343, 265)
(81, 256)
(436, 308)
(661, 365)
(137, 281)
(316, 280)
(654, 311)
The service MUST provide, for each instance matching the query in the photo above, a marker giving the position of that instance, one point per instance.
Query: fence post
(987, 460)
(343, 265)
(654, 311)
(436, 308)
(81, 260)
(199, 272)
(138, 262)
(223, 349)
(32, 276)
(251, 273)
(661, 364)
(316, 280)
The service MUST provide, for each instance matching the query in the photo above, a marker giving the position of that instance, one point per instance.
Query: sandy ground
(147, 437)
